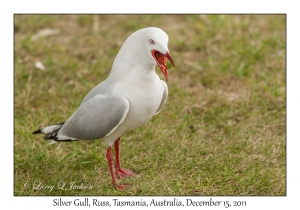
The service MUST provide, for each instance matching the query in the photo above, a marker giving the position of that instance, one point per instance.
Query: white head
(150, 46)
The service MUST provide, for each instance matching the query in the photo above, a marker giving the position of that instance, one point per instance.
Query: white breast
(144, 96)
(144, 99)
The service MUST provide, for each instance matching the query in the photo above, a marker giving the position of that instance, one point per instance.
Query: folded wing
(95, 118)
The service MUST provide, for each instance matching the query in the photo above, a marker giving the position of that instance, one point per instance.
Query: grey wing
(164, 98)
(104, 88)
(95, 118)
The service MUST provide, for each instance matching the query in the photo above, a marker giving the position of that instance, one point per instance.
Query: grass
(222, 131)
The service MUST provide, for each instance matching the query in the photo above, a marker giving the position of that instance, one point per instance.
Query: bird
(128, 98)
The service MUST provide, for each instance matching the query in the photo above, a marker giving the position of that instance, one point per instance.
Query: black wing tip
(37, 131)
(52, 135)
(40, 130)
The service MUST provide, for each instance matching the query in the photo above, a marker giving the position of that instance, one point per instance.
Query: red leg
(121, 172)
(109, 158)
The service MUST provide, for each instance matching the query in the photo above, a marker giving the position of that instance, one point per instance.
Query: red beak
(161, 61)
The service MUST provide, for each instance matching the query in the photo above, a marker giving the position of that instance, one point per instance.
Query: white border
(153, 6)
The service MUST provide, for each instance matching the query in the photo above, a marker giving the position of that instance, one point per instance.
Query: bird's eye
(151, 41)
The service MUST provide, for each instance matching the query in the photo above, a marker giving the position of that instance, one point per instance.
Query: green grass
(222, 131)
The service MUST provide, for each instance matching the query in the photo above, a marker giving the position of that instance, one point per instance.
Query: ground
(222, 131)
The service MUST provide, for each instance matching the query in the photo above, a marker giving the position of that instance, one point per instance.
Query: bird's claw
(120, 186)
(124, 173)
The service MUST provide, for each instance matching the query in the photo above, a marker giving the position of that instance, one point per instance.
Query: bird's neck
(132, 62)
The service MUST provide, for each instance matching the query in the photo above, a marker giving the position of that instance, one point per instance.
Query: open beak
(161, 61)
